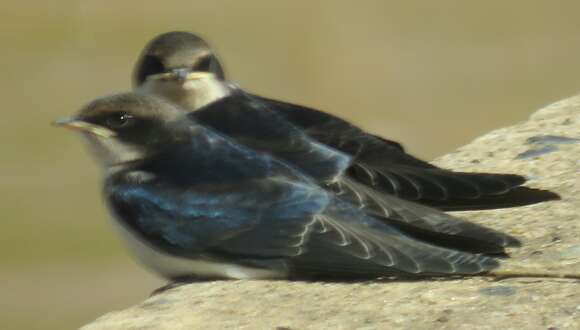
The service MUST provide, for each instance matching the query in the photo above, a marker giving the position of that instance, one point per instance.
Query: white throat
(201, 92)
(111, 152)
(192, 94)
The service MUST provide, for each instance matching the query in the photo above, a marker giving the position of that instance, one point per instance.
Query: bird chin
(200, 92)
(190, 94)
(111, 152)
(171, 90)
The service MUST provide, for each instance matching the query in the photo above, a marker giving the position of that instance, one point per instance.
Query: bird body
(190, 201)
(186, 63)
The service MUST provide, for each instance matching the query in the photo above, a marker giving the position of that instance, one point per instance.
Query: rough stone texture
(550, 233)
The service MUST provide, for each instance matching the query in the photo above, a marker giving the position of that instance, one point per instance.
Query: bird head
(128, 127)
(177, 55)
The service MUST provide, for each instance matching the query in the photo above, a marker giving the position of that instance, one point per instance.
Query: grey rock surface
(550, 233)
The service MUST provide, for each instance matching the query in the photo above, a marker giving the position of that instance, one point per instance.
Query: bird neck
(204, 91)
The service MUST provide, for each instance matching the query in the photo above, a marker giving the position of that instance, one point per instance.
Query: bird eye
(119, 120)
(148, 66)
(203, 65)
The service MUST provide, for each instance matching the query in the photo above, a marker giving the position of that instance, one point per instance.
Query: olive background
(433, 75)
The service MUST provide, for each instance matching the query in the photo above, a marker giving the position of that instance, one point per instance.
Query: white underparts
(170, 266)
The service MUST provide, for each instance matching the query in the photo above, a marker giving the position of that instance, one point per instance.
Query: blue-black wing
(205, 218)
(326, 147)
(417, 221)
(422, 222)
(385, 166)
(247, 121)
(265, 219)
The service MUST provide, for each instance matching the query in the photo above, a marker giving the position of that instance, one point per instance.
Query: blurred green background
(433, 75)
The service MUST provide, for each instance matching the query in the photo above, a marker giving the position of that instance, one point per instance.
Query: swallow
(191, 202)
(181, 67)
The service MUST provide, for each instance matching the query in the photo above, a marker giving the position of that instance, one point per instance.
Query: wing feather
(385, 166)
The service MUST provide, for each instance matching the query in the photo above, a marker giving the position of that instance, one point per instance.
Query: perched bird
(191, 202)
(181, 67)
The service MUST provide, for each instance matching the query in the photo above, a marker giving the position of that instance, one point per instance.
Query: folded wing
(266, 219)
(385, 166)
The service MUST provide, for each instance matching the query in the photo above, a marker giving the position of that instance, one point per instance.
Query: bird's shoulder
(333, 130)
(255, 124)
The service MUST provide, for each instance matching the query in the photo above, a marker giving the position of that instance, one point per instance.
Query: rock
(498, 290)
(572, 252)
(550, 233)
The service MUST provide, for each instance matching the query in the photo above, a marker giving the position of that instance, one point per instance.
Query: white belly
(170, 266)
